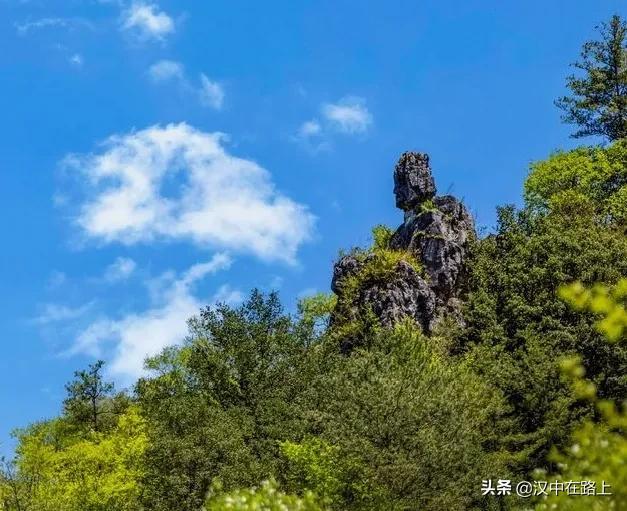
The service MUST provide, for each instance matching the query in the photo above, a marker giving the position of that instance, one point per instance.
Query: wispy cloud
(76, 60)
(26, 27)
(349, 115)
(166, 70)
(311, 135)
(120, 269)
(56, 279)
(227, 295)
(147, 21)
(213, 198)
(128, 340)
(310, 129)
(208, 92)
(53, 313)
(211, 93)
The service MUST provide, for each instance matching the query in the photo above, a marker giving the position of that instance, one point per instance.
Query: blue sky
(157, 156)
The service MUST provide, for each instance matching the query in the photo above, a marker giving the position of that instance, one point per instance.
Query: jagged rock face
(437, 232)
(405, 294)
(347, 266)
(439, 239)
(413, 181)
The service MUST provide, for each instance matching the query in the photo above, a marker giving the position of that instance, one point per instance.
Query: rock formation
(436, 232)
(413, 181)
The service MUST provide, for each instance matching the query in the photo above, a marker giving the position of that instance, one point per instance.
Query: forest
(518, 376)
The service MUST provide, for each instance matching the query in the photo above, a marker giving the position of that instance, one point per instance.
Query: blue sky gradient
(470, 82)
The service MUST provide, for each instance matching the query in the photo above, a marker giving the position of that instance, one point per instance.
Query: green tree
(399, 425)
(583, 182)
(517, 326)
(598, 449)
(316, 465)
(598, 104)
(88, 396)
(14, 495)
(55, 470)
(219, 406)
(316, 310)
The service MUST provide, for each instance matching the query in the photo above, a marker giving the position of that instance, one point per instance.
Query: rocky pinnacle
(413, 181)
(437, 232)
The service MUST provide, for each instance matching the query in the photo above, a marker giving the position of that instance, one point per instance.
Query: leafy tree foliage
(386, 438)
(599, 449)
(219, 407)
(264, 498)
(90, 401)
(57, 471)
(317, 465)
(315, 311)
(518, 327)
(598, 105)
(255, 394)
(583, 182)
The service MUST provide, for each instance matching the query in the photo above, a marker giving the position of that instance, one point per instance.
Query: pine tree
(86, 395)
(598, 104)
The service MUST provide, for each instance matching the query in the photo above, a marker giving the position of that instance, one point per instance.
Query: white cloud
(147, 21)
(166, 70)
(54, 313)
(310, 129)
(132, 338)
(179, 183)
(42, 23)
(226, 294)
(209, 93)
(312, 136)
(120, 269)
(76, 60)
(349, 115)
